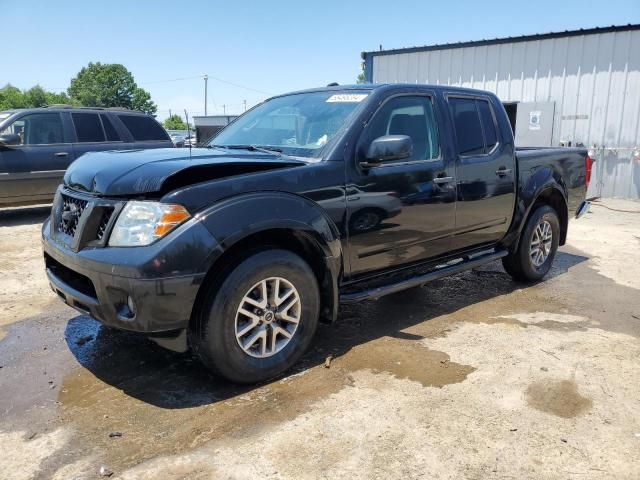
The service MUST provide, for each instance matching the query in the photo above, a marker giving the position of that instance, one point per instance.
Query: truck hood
(137, 172)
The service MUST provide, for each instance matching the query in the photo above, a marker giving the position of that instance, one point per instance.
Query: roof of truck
(386, 86)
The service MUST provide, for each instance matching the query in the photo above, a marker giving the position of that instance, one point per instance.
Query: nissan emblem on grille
(71, 211)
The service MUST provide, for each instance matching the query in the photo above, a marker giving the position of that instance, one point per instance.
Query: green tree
(12, 97)
(174, 122)
(109, 85)
(361, 78)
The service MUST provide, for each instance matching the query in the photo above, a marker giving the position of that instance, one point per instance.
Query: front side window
(411, 116)
(37, 129)
(300, 124)
(88, 127)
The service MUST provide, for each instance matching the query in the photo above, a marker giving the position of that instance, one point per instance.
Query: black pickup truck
(339, 194)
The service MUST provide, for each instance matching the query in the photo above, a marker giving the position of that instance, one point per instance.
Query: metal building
(579, 87)
(207, 127)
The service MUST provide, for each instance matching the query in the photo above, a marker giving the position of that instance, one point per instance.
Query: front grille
(104, 222)
(72, 209)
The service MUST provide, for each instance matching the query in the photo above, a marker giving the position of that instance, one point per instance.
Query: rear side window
(475, 126)
(143, 128)
(468, 128)
(88, 127)
(488, 124)
(109, 129)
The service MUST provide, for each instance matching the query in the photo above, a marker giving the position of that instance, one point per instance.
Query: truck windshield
(298, 125)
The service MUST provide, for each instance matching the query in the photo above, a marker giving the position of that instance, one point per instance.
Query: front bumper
(159, 281)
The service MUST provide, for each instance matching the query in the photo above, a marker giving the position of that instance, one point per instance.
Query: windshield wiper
(251, 148)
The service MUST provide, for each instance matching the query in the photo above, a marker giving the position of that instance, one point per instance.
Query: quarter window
(37, 129)
(488, 125)
(143, 128)
(109, 129)
(88, 127)
(411, 116)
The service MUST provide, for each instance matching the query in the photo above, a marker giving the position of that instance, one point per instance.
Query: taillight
(588, 162)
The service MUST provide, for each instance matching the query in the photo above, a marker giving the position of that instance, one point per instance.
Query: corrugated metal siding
(593, 79)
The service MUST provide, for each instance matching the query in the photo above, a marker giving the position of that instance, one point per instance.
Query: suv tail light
(588, 163)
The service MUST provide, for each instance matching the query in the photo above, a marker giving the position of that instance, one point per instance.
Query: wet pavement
(465, 364)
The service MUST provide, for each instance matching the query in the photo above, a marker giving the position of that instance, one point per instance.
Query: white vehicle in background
(178, 137)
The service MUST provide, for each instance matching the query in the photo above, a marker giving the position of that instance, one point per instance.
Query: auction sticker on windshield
(347, 98)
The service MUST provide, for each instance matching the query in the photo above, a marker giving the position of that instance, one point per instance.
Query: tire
(521, 264)
(221, 318)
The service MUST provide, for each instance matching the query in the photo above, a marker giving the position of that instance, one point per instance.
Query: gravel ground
(472, 376)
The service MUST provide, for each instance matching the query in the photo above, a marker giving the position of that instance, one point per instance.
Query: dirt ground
(473, 376)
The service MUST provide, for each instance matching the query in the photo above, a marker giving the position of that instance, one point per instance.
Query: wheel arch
(251, 223)
(544, 187)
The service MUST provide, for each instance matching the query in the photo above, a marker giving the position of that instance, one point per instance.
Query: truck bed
(567, 163)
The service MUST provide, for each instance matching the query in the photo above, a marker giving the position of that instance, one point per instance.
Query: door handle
(501, 172)
(441, 180)
(61, 154)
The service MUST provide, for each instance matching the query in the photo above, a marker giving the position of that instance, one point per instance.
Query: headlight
(141, 223)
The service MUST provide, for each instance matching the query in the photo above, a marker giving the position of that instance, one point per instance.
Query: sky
(254, 49)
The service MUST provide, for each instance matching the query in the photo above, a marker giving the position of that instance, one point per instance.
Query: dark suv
(38, 144)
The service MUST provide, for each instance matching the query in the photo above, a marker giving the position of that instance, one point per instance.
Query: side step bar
(377, 292)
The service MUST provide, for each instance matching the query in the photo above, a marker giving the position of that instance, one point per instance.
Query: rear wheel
(259, 320)
(537, 248)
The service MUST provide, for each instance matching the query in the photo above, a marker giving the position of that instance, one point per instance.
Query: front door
(485, 173)
(402, 211)
(32, 170)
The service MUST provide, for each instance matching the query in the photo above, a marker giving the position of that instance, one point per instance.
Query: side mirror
(9, 139)
(388, 148)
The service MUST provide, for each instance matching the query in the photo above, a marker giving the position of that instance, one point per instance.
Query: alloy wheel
(268, 317)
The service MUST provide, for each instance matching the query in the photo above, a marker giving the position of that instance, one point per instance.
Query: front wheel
(537, 248)
(259, 320)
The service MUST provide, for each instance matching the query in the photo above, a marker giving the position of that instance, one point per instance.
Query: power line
(240, 86)
(211, 77)
(170, 80)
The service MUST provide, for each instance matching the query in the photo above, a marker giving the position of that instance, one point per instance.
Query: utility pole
(206, 79)
(169, 113)
(224, 109)
(245, 105)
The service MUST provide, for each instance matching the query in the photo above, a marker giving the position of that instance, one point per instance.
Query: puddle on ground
(406, 359)
(560, 398)
(181, 413)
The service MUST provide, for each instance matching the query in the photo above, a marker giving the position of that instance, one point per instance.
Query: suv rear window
(88, 127)
(143, 128)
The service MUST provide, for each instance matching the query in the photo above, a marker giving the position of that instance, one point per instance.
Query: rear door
(32, 170)
(95, 133)
(485, 172)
